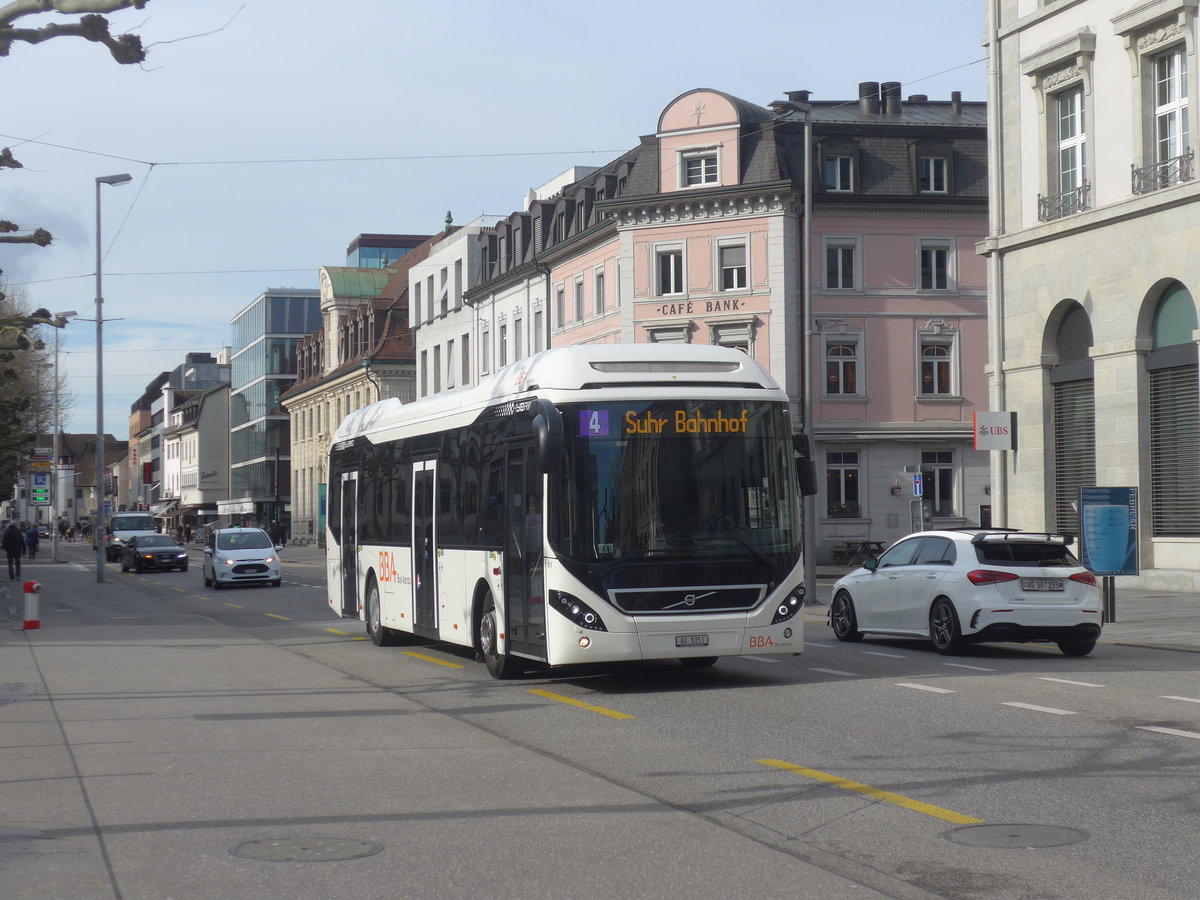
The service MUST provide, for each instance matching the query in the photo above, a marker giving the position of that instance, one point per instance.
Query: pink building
(697, 235)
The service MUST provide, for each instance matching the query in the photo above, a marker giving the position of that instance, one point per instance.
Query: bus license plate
(1041, 584)
(691, 640)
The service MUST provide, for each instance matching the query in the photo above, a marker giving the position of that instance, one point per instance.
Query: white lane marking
(1174, 731)
(835, 672)
(1069, 681)
(765, 659)
(891, 655)
(1045, 709)
(816, 644)
(972, 668)
(1184, 699)
(925, 687)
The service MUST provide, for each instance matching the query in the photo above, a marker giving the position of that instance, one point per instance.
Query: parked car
(972, 585)
(240, 556)
(152, 551)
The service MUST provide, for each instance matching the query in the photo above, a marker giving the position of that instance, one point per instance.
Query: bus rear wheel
(381, 636)
(500, 665)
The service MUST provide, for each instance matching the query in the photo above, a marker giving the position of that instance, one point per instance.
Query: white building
(1093, 268)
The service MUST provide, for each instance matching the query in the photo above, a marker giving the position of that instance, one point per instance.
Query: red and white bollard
(32, 589)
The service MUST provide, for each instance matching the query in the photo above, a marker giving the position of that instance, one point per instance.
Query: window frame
(931, 160)
(842, 170)
(841, 244)
(841, 339)
(935, 245)
(841, 470)
(702, 156)
(723, 245)
(678, 271)
(948, 342)
(941, 489)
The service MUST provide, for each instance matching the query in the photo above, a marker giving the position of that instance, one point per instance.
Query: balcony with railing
(1167, 173)
(1067, 203)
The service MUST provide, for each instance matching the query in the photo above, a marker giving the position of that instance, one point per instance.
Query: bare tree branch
(125, 48)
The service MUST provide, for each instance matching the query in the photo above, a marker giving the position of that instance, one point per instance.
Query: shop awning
(161, 509)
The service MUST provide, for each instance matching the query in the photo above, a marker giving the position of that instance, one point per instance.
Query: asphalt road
(156, 733)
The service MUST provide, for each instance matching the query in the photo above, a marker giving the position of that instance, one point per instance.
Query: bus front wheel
(500, 665)
(381, 636)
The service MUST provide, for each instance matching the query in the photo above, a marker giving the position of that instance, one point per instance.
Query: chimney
(799, 96)
(891, 97)
(918, 98)
(868, 97)
(956, 102)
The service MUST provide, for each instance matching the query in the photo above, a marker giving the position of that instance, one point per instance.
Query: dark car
(152, 551)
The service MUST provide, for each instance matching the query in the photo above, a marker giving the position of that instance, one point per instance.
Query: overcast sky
(264, 135)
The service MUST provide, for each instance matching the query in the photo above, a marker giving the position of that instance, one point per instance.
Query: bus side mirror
(547, 435)
(806, 466)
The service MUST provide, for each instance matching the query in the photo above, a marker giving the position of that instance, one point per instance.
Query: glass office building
(262, 367)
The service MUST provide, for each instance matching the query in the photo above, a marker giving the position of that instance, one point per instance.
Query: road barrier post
(32, 589)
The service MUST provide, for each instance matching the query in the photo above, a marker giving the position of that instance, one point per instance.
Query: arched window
(1174, 385)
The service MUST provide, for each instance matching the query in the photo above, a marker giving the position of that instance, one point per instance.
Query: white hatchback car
(972, 585)
(240, 556)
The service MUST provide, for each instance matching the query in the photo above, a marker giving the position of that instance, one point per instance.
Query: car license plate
(691, 640)
(1041, 584)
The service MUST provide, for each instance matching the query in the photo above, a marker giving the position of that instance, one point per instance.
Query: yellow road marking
(337, 631)
(874, 793)
(611, 713)
(434, 659)
(181, 590)
(235, 605)
(361, 637)
(273, 616)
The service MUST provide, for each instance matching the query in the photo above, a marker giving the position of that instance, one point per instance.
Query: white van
(121, 527)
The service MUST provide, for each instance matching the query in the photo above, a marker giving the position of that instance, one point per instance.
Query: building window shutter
(1074, 448)
(1175, 451)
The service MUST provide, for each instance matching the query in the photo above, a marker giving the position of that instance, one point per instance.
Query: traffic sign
(39, 489)
(918, 485)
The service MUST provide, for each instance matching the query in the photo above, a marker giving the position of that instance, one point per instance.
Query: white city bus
(588, 504)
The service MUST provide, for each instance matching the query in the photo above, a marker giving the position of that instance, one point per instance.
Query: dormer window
(931, 174)
(700, 167)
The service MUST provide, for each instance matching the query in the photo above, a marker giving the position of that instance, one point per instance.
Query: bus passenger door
(349, 546)
(523, 581)
(424, 576)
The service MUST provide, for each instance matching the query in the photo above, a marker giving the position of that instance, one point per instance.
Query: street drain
(1015, 837)
(305, 850)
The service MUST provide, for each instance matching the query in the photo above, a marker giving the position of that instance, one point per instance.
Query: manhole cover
(1015, 837)
(305, 849)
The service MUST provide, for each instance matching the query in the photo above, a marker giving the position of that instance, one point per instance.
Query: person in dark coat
(14, 547)
(32, 539)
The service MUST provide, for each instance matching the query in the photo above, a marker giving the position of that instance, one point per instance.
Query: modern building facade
(262, 367)
(378, 251)
(1092, 267)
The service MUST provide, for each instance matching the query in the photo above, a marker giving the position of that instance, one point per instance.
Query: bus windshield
(676, 480)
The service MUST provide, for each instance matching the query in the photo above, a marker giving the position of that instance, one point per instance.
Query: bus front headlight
(576, 611)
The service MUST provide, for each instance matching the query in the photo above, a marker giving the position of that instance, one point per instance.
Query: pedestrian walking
(32, 539)
(14, 549)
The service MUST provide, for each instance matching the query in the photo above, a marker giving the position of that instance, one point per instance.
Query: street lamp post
(54, 476)
(98, 528)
